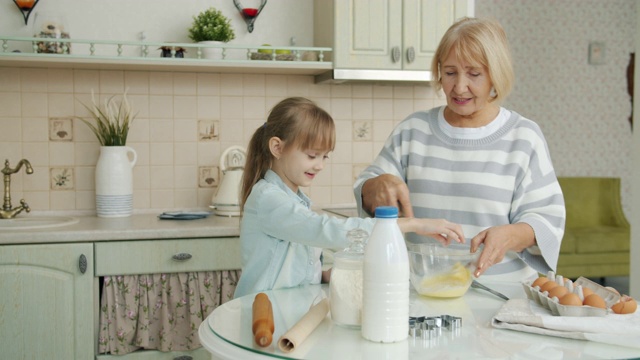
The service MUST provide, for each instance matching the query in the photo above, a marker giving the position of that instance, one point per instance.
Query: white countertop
(91, 228)
(226, 332)
(135, 227)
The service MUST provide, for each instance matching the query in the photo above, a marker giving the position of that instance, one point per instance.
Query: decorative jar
(51, 25)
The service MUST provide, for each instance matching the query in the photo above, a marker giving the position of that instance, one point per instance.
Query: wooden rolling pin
(263, 326)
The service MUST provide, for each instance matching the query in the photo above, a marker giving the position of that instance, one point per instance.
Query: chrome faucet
(7, 212)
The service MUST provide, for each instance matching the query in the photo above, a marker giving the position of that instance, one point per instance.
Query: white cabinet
(49, 293)
(385, 34)
(166, 256)
(47, 301)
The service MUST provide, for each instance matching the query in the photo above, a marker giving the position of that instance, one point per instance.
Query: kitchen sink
(37, 222)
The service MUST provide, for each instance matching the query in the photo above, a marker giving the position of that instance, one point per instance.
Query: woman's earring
(493, 93)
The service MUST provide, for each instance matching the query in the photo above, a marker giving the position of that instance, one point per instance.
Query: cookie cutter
(428, 327)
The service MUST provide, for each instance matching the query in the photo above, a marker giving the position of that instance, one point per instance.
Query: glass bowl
(439, 271)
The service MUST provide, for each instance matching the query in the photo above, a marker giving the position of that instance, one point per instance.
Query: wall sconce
(249, 14)
(26, 6)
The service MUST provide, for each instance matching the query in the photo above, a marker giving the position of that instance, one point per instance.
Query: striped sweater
(506, 177)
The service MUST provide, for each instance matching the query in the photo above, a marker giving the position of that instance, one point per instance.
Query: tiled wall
(178, 153)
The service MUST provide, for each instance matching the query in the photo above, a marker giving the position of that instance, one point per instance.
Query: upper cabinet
(385, 34)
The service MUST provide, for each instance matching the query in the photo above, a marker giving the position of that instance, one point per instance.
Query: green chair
(597, 234)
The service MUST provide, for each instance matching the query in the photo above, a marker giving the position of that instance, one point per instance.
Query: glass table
(226, 333)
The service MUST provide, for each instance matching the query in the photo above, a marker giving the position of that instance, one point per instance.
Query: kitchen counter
(227, 332)
(135, 227)
(50, 277)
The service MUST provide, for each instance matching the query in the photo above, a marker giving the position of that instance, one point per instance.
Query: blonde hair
(297, 122)
(481, 42)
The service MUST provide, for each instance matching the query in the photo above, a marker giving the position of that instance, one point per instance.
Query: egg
(594, 300)
(539, 281)
(558, 291)
(571, 299)
(586, 291)
(548, 285)
(626, 305)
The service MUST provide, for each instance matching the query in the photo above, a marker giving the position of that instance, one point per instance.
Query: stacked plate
(184, 215)
(114, 205)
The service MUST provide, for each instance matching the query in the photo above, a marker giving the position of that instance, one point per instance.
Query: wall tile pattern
(184, 122)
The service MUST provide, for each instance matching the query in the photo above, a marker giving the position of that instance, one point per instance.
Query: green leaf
(111, 121)
(211, 25)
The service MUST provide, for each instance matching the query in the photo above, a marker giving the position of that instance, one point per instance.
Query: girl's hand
(326, 276)
(440, 229)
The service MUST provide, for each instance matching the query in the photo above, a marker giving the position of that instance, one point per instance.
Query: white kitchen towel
(525, 315)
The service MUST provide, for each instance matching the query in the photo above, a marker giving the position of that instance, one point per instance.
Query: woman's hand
(498, 240)
(386, 190)
(440, 229)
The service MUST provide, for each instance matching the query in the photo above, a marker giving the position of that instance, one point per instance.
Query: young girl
(281, 237)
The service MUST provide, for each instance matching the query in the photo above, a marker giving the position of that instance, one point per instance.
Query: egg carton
(610, 297)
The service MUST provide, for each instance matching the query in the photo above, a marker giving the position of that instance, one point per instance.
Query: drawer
(166, 256)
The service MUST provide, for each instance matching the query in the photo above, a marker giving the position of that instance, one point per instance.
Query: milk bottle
(385, 307)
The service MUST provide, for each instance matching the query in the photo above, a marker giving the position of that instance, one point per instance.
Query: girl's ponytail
(257, 163)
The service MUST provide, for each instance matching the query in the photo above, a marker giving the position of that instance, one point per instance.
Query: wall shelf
(145, 56)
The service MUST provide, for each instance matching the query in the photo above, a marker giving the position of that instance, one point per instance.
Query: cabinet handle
(395, 54)
(183, 357)
(181, 257)
(82, 263)
(411, 54)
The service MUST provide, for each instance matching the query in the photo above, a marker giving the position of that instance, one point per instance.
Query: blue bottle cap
(388, 212)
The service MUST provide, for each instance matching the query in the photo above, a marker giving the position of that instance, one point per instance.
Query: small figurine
(166, 51)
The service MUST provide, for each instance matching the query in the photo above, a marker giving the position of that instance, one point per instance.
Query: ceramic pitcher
(114, 181)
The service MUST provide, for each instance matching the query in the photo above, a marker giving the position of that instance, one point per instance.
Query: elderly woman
(474, 162)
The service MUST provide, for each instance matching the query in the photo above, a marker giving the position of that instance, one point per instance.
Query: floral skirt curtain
(160, 311)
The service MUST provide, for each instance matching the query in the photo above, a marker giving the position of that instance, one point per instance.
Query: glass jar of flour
(346, 281)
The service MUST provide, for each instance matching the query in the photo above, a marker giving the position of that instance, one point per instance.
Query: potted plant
(112, 120)
(114, 174)
(211, 26)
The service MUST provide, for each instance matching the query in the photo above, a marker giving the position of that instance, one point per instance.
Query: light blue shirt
(282, 238)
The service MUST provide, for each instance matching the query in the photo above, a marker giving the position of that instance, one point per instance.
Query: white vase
(114, 181)
(212, 53)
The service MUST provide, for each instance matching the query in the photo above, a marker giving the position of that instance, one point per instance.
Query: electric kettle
(226, 201)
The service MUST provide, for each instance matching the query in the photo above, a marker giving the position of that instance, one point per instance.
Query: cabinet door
(46, 302)
(366, 34)
(425, 22)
